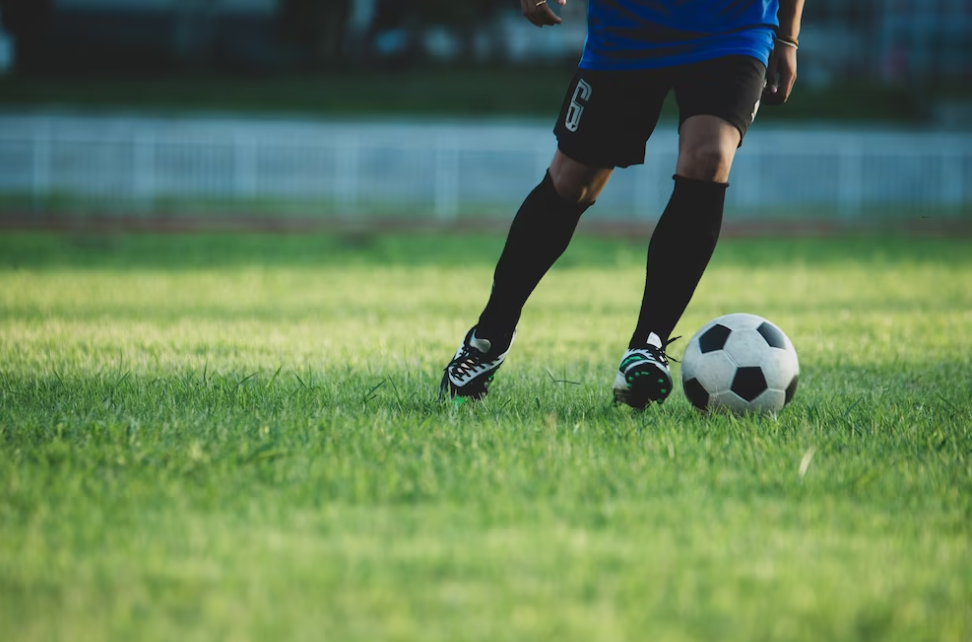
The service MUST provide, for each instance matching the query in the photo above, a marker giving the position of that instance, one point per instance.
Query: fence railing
(449, 170)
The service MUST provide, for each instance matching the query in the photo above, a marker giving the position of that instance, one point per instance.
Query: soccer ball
(741, 363)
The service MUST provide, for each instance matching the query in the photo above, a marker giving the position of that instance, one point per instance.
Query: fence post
(748, 200)
(850, 191)
(951, 177)
(446, 177)
(245, 167)
(143, 168)
(544, 154)
(41, 167)
(346, 176)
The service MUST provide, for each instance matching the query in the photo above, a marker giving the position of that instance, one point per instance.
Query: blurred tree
(463, 18)
(26, 21)
(467, 20)
(315, 27)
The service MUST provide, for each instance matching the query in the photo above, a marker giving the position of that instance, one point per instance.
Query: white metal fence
(449, 170)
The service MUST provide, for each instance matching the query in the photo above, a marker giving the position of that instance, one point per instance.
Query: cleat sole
(644, 388)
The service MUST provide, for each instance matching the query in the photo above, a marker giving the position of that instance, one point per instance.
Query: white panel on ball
(729, 400)
(746, 347)
(779, 368)
(771, 401)
(715, 372)
(740, 321)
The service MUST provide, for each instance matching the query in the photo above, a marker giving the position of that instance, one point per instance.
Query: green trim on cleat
(643, 376)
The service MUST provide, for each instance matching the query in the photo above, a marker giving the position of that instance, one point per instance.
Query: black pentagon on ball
(696, 393)
(749, 383)
(791, 390)
(772, 334)
(714, 338)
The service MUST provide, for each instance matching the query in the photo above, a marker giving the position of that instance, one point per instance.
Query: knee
(576, 182)
(579, 188)
(572, 191)
(705, 162)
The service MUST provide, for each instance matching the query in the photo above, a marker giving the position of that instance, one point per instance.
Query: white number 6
(582, 94)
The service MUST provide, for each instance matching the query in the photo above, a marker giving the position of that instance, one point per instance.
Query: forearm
(790, 15)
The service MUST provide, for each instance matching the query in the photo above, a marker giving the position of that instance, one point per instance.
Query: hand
(781, 73)
(539, 12)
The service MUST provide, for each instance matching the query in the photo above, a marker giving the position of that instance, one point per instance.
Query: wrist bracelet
(792, 42)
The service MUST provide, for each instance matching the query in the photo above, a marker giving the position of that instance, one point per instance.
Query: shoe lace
(660, 354)
(468, 360)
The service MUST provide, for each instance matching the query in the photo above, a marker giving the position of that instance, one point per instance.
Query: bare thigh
(707, 147)
(575, 181)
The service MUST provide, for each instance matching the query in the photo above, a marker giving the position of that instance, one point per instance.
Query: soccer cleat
(643, 376)
(470, 372)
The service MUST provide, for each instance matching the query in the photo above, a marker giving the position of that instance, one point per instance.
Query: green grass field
(237, 438)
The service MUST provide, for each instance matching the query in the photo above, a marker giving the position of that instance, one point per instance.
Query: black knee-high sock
(678, 253)
(539, 234)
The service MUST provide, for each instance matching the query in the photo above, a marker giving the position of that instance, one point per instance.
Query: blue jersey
(646, 34)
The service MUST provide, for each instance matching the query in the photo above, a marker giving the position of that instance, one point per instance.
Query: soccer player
(721, 58)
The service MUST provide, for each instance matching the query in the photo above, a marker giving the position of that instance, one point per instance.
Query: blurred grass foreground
(213, 437)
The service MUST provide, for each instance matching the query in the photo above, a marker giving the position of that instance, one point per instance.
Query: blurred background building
(928, 42)
(878, 127)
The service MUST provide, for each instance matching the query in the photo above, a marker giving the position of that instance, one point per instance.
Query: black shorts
(608, 116)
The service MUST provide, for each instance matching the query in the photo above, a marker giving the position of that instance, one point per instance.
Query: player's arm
(781, 72)
(539, 12)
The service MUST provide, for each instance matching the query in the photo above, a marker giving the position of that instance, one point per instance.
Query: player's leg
(594, 135)
(686, 234)
(592, 140)
(680, 248)
(538, 236)
(717, 101)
